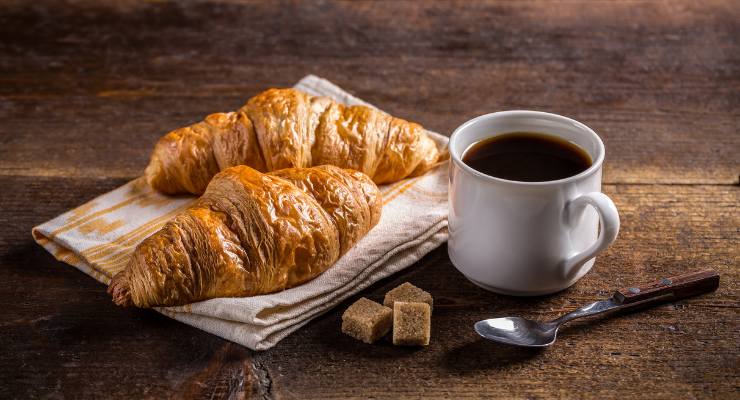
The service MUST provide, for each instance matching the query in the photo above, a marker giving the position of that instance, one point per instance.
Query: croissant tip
(119, 289)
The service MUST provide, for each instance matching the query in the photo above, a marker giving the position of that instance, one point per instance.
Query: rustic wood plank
(66, 338)
(664, 99)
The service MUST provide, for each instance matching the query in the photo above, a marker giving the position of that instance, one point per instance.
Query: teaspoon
(519, 331)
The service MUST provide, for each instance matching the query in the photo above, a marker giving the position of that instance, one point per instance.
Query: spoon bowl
(518, 331)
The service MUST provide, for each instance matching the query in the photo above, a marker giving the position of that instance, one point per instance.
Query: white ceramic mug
(527, 238)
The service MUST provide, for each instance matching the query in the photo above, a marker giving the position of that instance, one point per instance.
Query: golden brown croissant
(251, 233)
(286, 128)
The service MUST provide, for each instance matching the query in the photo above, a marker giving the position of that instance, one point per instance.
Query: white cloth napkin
(99, 236)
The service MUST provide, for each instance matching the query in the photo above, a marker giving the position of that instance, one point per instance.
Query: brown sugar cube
(412, 324)
(367, 320)
(408, 293)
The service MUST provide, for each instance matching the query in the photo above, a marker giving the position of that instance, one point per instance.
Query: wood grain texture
(658, 81)
(86, 89)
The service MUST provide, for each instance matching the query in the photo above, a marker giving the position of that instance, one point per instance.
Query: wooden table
(86, 89)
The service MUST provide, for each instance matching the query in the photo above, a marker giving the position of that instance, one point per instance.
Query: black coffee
(527, 157)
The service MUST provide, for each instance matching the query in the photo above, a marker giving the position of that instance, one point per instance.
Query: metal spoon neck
(594, 308)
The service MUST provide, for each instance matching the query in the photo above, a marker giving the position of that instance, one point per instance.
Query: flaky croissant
(251, 233)
(286, 128)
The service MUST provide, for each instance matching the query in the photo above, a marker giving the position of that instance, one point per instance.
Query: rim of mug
(596, 164)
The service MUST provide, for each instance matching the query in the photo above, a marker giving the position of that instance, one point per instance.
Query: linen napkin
(99, 236)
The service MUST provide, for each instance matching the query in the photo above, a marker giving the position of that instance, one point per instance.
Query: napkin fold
(99, 236)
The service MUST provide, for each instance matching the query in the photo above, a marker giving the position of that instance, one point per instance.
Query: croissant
(286, 128)
(249, 234)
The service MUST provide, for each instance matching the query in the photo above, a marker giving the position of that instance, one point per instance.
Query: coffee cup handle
(609, 218)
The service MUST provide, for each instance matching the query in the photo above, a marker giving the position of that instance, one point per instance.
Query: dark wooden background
(87, 88)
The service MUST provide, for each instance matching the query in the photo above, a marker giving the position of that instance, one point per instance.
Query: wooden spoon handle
(673, 288)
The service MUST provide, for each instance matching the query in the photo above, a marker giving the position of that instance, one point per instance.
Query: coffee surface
(527, 157)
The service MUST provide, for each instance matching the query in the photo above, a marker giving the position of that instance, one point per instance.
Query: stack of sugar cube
(406, 309)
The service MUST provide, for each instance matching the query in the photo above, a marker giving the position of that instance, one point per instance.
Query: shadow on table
(481, 355)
